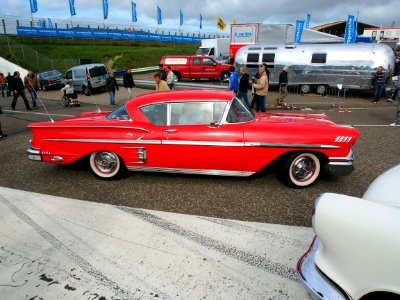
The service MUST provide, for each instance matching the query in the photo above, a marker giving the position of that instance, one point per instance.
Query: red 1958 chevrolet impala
(197, 132)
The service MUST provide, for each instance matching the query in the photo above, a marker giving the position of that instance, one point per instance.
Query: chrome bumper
(317, 284)
(34, 154)
(341, 166)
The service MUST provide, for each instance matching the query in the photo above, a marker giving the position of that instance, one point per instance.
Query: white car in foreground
(356, 251)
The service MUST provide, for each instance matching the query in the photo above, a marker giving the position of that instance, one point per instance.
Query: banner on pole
(220, 24)
(299, 31)
(201, 21)
(134, 17)
(349, 34)
(159, 15)
(180, 18)
(34, 7)
(308, 20)
(72, 7)
(105, 9)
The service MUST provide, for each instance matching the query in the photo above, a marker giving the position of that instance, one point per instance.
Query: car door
(195, 142)
(209, 68)
(196, 67)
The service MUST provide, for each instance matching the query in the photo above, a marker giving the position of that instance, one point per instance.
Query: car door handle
(171, 130)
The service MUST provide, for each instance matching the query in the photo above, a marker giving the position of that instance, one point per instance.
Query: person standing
(18, 89)
(2, 135)
(170, 78)
(260, 89)
(161, 71)
(111, 85)
(396, 74)
(161, 85)
(129, 84)
(32, 84)
(283, 82)
(233, 80)
(8, 77)
(378, 81)
(3, 84)
(243, 86)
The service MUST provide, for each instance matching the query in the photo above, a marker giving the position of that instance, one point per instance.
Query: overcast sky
(375, 12)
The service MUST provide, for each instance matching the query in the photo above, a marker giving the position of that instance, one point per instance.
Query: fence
(9, 24)
(31, 59)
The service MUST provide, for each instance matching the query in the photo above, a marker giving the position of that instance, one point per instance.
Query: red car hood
(305, 119)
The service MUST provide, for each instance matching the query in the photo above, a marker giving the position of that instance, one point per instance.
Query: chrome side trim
(191, 171)
(347, 159)
(283, 145)
(317, 284)
(106, 141)
(203, 143)
(57, 158)
(94, 127)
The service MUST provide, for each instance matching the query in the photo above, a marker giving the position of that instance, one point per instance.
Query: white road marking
(56, 247)
(32, 112)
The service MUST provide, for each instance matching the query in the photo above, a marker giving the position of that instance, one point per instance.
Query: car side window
(156, 114)
(197, 113)
(68, 75)
(196, 61)
(238, 113)
(120, 114)
(208, 62)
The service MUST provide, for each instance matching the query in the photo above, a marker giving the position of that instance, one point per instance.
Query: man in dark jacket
(243, 86)
(18, 89)
(111, 85)
(161, 71)
(378, 81)
(129, 84)
(8, 77)
(283, 82)
(396, 79)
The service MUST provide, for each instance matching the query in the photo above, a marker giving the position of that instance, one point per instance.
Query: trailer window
(318, 58)
(252, 58)
(269, 59)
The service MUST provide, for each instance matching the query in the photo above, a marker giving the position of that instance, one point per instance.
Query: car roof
(178, 96)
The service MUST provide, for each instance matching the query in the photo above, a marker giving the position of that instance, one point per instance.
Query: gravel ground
(259, 198)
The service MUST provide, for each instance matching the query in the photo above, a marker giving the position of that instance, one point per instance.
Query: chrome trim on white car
(191, 171)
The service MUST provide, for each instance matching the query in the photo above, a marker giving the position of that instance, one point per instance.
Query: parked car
(196, 67)
(87, 78)
(51, 78)
(355, 254)
(197, 132)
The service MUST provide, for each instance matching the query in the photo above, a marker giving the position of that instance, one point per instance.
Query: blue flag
(159, 16)
(348, 37)
(308, 20)
(34, 7)
(180, 18)
(299, 31)
(105, 9)
(201, 21)
(355, 34)
(72, 7)
(134, 18)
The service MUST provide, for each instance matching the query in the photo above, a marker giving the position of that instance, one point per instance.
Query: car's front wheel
(300, 170)
(106, 164)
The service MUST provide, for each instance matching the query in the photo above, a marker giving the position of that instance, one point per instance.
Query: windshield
(238, 112)
(202, 51)
(97, 71)
(119, 114)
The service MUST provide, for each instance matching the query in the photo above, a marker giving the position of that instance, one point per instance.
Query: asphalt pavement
(260, 198)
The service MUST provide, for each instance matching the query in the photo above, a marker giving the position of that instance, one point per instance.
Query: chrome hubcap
(106, 162)
(303, 169)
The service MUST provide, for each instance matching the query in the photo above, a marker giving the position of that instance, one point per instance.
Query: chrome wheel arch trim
(191, 171)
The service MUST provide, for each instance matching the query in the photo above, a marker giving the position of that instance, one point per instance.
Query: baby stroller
(71, 100)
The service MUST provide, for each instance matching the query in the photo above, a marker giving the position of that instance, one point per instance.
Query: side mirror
(215, 64)
(213, 125)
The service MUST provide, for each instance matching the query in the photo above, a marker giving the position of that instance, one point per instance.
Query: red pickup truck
(196, 67)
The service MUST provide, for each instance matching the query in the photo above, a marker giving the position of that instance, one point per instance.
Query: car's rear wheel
(305, 89)
(106, 164)
(300, 170)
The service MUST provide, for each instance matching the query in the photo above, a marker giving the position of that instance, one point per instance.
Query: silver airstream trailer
(319, 65)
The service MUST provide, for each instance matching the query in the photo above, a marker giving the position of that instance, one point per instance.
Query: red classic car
(197, 132)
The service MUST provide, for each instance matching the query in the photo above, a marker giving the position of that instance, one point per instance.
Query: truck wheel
(305, 89)
(177, 76)
(300, 170)
(321, 89)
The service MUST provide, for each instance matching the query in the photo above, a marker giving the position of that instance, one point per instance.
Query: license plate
(35, 157)
(98, 83)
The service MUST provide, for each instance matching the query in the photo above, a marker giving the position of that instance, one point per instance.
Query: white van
(87, 78)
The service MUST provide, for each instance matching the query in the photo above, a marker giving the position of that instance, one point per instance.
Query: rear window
(318, 58)
(50, 74)
(97, 71)
(119, 114)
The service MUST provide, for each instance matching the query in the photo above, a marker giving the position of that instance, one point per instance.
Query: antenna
(45, 109)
